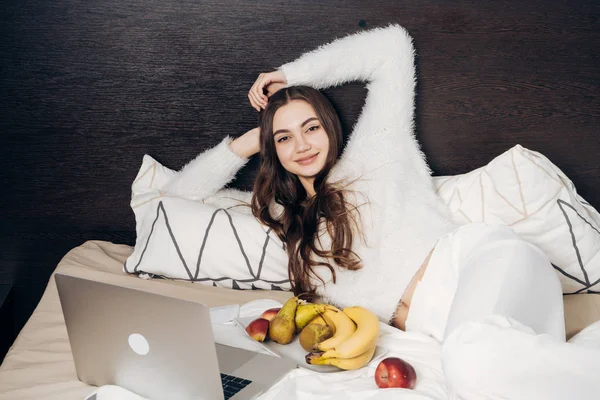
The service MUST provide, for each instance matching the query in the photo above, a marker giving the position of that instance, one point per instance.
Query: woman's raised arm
(383, 57)
(214, 168)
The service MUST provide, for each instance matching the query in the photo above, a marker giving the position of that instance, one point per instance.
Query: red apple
(395, 372)
(258, 329)
(270, 313)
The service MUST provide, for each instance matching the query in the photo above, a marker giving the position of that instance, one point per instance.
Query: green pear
(313, 334)
(306, 313)
(282, 327)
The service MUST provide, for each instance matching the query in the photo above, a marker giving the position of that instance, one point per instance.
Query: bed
(40, 365)
(98, 86)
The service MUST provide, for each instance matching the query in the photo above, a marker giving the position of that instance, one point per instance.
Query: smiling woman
(301, 141)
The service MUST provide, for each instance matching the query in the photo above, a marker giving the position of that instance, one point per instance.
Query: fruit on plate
(282, 327)
(306, 313)
(344, 328)
(258, 329)
(314, 333)
(344, 363)
(362, 339)
(270, 313)
(356, 347)
(395, 372)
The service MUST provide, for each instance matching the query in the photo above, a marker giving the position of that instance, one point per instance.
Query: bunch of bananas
(353, 344)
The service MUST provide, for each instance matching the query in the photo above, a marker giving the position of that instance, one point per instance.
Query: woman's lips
(306, 161)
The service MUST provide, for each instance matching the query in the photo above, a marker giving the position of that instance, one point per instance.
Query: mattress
(39, 365)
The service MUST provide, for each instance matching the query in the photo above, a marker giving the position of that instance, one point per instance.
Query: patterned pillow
(523, 189)
(197, 241)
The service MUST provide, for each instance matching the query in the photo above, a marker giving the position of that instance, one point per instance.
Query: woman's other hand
(246, 145)
(269, 81)
(273, 87)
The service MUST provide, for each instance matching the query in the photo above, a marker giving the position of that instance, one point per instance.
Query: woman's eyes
(282, 139)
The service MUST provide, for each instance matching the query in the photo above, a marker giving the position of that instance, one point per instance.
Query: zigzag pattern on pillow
(526, 191)
(195, 277)
(587, 285)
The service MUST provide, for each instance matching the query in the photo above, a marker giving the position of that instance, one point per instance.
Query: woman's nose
(302, 145)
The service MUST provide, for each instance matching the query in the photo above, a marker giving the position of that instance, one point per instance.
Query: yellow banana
(344, 328)
(307, 312)
(344, 363)
(365, 336)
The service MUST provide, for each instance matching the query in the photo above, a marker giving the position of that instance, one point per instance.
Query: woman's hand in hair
(246, 145)
(269, 82)
(274, 87)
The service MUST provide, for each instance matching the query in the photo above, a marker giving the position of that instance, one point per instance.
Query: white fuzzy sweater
(404, 217)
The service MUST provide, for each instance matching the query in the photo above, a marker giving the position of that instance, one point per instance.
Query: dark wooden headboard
(89, 87)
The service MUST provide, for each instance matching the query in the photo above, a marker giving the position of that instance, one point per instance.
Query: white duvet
(422, 352)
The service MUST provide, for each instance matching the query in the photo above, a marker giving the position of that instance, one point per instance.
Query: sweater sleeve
(207, 174)
(382, 57)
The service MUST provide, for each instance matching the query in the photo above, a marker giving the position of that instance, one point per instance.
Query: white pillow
(524, 190)
(192, 240)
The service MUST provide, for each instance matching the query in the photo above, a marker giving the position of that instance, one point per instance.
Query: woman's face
(300, 140)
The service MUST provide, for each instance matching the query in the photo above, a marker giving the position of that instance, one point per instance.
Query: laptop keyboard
(232, 385)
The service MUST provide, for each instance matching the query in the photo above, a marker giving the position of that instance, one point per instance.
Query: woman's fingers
(256, 94)
(270, 81)
(257, 101)
(253, 102)
(255, 98)
(259, 90)
(251, 98)
(252, 95)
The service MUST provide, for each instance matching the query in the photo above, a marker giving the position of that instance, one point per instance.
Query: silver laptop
(156, 346)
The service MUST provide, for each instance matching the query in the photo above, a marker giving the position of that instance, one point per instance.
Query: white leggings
(495, 302)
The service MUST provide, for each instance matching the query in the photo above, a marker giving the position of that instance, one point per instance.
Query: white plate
(293, 350)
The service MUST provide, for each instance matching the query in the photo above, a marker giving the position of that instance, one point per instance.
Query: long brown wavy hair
(299, 224)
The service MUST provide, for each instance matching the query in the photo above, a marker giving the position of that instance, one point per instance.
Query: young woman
(363, 225)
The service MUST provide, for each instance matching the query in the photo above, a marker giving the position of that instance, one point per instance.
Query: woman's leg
(504, 337)
(493, 265)
(510, 277)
